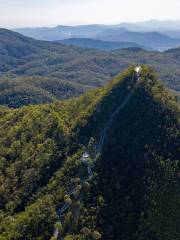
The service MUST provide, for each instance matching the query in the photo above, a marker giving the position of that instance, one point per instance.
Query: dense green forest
(18, 91)
(134, 192)
(41, 71)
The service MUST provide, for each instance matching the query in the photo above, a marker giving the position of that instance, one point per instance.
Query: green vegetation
(138, 171)
(41, 72)
(16, 92)
(134, 192)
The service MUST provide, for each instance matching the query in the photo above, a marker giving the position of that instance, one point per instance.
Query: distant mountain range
(99, 44)
(62, 32)
(33, 71)
(159, 25)
(154, 40)
(55, 33)
(159, 35)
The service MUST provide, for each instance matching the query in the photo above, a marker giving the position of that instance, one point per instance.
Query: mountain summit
(101, 166)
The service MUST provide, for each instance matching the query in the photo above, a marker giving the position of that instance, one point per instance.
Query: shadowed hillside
(130, 130)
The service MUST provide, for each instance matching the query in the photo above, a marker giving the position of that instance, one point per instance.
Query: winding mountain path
(85, 156)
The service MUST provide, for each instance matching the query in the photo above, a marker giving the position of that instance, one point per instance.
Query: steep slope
(130, 130)
(13, 44)
(138, 171)
(16, 50)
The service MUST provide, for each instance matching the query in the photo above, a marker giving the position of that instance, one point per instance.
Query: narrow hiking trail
(104, 132)
(86, 156)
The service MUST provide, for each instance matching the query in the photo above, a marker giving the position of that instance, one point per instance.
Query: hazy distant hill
(151, 25)
(154, 40)
(174, 34)
(139, 33)
(159, 25)
(62, 32)
(98, 44)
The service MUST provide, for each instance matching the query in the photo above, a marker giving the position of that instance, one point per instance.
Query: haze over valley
(157, 35)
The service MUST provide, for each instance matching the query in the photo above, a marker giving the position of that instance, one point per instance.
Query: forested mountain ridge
(99, 44)
(41, 147)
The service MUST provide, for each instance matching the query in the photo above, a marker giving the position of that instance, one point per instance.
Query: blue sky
(21, 13)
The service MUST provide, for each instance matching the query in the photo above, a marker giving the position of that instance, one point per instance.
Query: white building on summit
(138, 69)
(85, 155)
